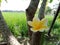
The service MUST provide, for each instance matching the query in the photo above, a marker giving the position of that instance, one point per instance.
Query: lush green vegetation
(17, 23)
(56, 27)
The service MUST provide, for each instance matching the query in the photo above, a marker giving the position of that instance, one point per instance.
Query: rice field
(17, 22)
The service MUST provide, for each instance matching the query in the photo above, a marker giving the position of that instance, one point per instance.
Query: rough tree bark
(36, 37)
(7, 33)
(30, 12)
(42, 10)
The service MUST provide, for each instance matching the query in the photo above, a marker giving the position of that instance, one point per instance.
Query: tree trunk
(36, 37)
(7, 33)
(30, 12)
(42, 9)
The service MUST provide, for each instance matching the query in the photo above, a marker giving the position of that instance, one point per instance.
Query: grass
(17, 23)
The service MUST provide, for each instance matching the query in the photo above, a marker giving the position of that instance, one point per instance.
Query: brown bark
(42, 10)
(30, 12)
(7, 33)
(36, 37)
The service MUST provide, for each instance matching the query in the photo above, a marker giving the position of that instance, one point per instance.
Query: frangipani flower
(38, 25)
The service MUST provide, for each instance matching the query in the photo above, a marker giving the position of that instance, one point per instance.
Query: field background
(17, 23)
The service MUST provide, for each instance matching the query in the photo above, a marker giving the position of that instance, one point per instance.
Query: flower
(38, 25)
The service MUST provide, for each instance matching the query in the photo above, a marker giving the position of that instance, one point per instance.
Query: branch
(30, 12)
(57, 12)
(37, 36)
(42, 9)
(7, 33)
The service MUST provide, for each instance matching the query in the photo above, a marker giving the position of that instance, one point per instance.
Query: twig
(54, 20)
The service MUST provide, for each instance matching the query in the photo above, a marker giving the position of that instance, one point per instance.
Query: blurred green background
(17, 23)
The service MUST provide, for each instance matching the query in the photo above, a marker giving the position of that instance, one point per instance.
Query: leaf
(51, 1)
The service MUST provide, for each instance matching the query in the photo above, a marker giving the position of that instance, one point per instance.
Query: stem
(54, 20)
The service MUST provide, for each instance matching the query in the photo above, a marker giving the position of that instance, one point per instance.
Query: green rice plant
(16, 22)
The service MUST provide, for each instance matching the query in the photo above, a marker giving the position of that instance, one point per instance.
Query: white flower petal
(42, 30)
(33, 30)
(29, 23)
(46, 21)
(36, 19)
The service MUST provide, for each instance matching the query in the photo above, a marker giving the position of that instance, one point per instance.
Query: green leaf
(51, 1)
